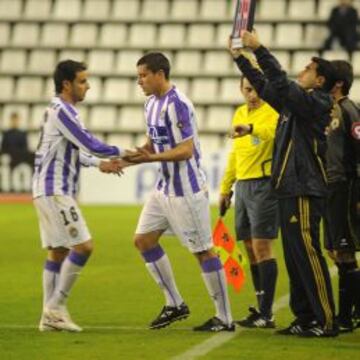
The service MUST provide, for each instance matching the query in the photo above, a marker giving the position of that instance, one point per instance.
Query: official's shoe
(345, 326)
(215, 325)
(169, 314)
(256, 320)
(59, 318)
(295, 328)
(317, 331)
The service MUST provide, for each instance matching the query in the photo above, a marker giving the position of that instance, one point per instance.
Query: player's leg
(214, 278)
(70, 271)
(340, 228)
(189, 217)
(65, 228)
(346, 264)
(52, 266)
(152, 224)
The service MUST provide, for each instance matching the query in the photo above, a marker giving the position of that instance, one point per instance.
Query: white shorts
(187, 217)
(61, 222)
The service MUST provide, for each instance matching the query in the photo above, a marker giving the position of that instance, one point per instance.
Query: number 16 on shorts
(243, 20)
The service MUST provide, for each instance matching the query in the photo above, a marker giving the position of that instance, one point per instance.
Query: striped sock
(214, 278)
(159, 267)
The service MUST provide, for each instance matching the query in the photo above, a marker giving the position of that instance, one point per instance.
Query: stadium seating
(111, 35)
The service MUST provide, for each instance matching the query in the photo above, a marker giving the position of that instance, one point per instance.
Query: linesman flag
(229, 254)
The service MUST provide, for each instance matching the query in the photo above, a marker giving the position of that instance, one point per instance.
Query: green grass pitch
(115, 299)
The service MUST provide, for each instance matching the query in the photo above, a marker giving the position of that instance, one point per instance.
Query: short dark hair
(344, 73)
(156, 61)
(66, 70)
(324, 68)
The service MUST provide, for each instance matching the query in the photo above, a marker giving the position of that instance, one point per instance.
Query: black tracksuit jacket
(298, 165)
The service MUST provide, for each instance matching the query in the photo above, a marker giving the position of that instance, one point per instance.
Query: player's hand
(114, 166)
(240, 130)
(141, 155)
(224, 203)
(250, 40)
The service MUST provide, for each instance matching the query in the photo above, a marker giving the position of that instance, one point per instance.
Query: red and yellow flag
(229, 254)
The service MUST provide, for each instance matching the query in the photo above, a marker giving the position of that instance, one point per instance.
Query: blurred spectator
(342, 25)
(14, 140)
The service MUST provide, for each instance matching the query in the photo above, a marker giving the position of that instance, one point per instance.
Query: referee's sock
(346, 290)
(159, 267)
(268, 271)
(254, 268)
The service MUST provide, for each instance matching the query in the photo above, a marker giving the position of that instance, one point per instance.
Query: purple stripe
(69, 107)
(66, 168)
(212, 264)
(78, 259)
(183, 116)
(197, 156)
(76, 175)
(192, 177)
(52, 266)
(149, 114)
(159, 185)
(165, 171)
(89, 141)
(177, 179)
(153, 254)
(223, 291)
(164, 283)
(49, 178)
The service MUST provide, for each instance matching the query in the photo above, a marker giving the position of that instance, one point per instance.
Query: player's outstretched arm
(182, 151)
(82, 138)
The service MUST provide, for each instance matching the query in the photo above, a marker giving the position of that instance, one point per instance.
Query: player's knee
(57, 254)
(139, 242)
(85, 248)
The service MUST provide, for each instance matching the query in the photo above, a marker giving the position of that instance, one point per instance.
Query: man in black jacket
(342, 228)
(298, 178)
(342, 25)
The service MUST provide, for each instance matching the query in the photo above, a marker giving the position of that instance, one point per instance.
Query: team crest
(355, 130)
(73, 232)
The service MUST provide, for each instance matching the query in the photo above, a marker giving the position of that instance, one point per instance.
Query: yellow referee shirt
(250, 156)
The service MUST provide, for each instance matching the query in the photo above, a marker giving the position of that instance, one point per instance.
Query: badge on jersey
(355, 130)
(159, 135)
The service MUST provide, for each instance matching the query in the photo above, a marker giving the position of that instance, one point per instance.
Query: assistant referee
(256, 212)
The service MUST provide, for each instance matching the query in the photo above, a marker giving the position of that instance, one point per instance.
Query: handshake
(129, 158)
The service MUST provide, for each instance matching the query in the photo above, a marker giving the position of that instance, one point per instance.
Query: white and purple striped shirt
(60, 151)
(171, 120)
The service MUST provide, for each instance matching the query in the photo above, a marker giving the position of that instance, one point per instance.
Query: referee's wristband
(251, 128)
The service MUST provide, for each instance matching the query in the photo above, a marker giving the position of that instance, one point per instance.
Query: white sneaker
(59, 319)
(44, 326)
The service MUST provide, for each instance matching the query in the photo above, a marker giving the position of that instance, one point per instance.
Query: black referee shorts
(341, 223)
